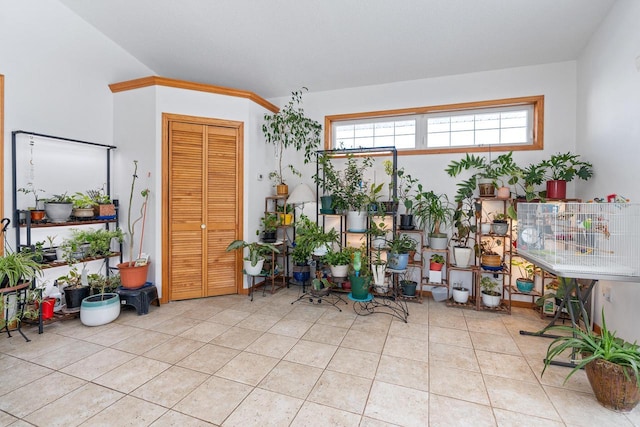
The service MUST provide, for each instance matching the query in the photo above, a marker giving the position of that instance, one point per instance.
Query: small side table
(139, 298)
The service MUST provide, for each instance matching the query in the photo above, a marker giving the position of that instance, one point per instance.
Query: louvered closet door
(203, 210)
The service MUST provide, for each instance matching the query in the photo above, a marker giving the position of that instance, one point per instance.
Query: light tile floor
(228, 361)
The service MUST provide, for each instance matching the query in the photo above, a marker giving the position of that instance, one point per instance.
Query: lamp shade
(301, 194)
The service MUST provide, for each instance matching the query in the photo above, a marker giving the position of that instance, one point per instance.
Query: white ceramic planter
(100, 309)
(462, 256)
(357, 221)
(339, 270)
(252, 270)
(490, 300)
(378, 242)
(58, 212)
(485, 228)
(378, 274)
(437, 242)
(461, 295)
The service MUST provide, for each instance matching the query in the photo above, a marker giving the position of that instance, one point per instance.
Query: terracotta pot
(435, 266)
(504, 193)
(133, 277)
(104, 210)
(37, 215)
(557, 189)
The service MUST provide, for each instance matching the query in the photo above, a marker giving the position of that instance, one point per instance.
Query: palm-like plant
(256, 249)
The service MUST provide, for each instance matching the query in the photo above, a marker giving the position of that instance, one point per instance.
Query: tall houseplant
(290, 127)
(133, 273)
(434, 211)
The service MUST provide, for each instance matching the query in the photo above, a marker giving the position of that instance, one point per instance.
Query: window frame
(538, 124)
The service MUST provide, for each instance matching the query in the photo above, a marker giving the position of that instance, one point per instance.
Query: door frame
(239, 126)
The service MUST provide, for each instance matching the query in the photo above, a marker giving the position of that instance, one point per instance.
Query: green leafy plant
(351, 192)
(99, 197)
(310, 236)
(489, 286)
(59, 198)
(100, 284)
(437, 258)
(566, 167)
(257, 250)
(270, 222)
(290, 127)
(401, 244)
(526, 268)
(406, 194)
(496, 169)
(464, 221)
(377, 229)
(82, 201)
(30, 189)
(98, 240)
(338, 257)
(433, 210)
(17, 266)
(605, 346)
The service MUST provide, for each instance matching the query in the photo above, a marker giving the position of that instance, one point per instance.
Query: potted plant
(399, 248)
(378, 232)
(133, 274)
(352, 192)
(253, 263)
(407, 196)
(610, 362)
(36, 211)
(372, 202)
(378, 270)
(270, 223)
(486, 174)
(285, 213)
(525, 282)
(338, 261)
(82, 206)
(391, 206)
(436, 262)
(490, 295)
(460, 293)
(103, 306)
(489, 258)
(312, 239)
(360, 276)
(50, 253)
(58, 208)
(527, 179)
(17, 271)
(75, 286)
(97, 241)
(290, 127)
(327, 179)
(103, 206)
(500, 224)
(464, 224)
(16, 267)
(435, 211)
(562, 168)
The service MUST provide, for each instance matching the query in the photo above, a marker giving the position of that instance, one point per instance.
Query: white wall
(57, 70)
(138, 125)
(608, 133)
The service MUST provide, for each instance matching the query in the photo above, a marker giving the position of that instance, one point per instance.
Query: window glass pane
(345, 143)
(490, 136)
(462, 138)
(344, 131)
(488, 121)
(439, 124)
(510, 120)
(364, 130)
(438, 140)
(405, 141)
(384, 141)
(513, 136)
(462, 123)
(406, 127)
(383, 129)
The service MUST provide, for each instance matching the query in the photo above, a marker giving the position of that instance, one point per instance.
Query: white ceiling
(272, 47)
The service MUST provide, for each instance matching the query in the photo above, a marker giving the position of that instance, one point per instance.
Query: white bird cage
(583, 239)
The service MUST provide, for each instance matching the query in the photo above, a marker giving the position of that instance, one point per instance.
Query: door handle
(203, 226)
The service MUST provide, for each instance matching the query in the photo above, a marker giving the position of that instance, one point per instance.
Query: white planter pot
(252, 270)
(485, 228)
(500, 228)
(378, 274)
(436, 242)
(100, 309)
(378, 242)
(461, 295)
(339, 270)
(357, 221)
(321, 250)
(490, 300)
(462, 256)
(58, 212)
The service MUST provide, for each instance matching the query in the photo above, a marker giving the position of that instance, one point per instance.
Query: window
(515, 124)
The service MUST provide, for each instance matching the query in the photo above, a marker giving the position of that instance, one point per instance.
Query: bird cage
(583, 239)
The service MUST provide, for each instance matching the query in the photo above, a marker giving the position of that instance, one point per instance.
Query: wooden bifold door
(203, 213)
